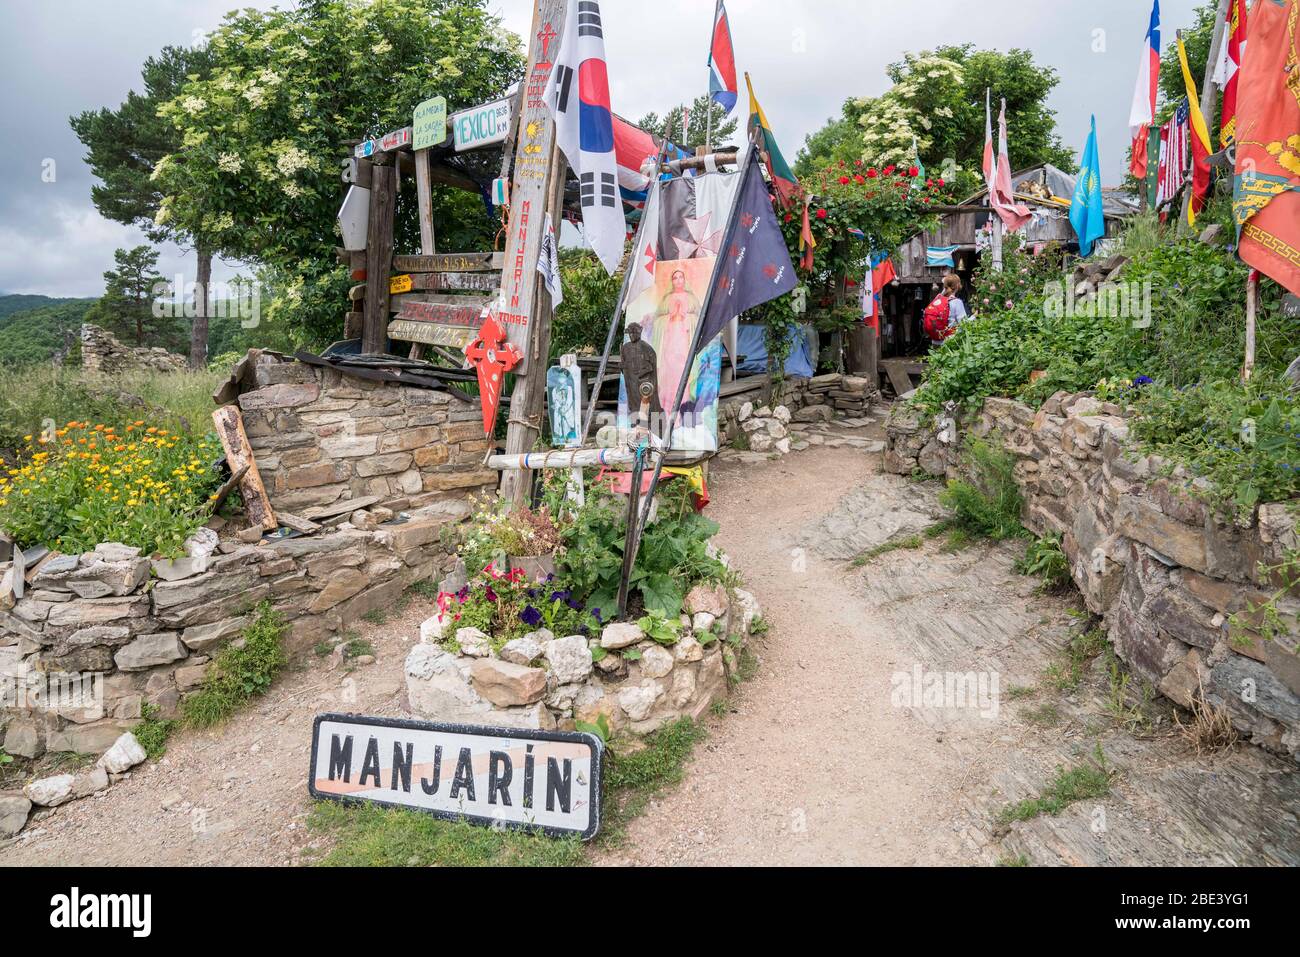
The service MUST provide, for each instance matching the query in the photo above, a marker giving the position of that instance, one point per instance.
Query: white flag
(577, 95)
(548, 264)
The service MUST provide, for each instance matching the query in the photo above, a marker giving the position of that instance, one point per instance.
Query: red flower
(871, 173)
(913, 172)
(889, 170)
(859, 179)
(857, 163)
(940, 182)
(789, 217)
(929, 183)
(821, 214)
(841, 164)
(844, 181)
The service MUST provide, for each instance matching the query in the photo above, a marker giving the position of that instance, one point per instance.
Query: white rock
(782, 446)
(433, 630)
(747, 608)
(688, 649)
(763, 412)
(620, 635)
(639, 702)
(570, 659)
(473, 643)
(760, 442)
(702, 621)
(683, 688)
(746, 410)
(50, 792)
(524, 651)
(125, 754)
(116, 552)
(202, 544)
(781, 414)
(656, 661)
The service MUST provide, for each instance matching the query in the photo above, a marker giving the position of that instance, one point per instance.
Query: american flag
(1174, 154)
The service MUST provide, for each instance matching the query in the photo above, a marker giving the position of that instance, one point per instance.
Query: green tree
(670, 124)
(1197, 40)
(264, 134)
(937, 101)
(127, 307)
(125, 145)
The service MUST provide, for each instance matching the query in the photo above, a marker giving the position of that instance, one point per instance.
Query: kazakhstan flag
(1086, 214)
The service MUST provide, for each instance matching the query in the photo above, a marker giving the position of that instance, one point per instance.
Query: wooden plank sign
(481, 126)
(431, 333)
(496, 777)
(448, 310)
(398, 284)
(528, 193)
(384, 144)
(449, 262)
(429, 125)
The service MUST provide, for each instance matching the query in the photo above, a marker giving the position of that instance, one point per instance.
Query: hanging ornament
(492, 357)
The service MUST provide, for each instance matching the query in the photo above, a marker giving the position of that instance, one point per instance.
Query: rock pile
(542, 681)
(102, 352)
(766, 429)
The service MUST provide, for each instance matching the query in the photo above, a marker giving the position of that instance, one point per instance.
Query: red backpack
(937, 319)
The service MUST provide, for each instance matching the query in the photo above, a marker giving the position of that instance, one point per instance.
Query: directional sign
(493, 776)
(481, 126)
(389, 141)
(430, 123)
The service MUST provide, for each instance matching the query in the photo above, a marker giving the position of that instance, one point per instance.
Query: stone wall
(544, 681)
(147, 629)
(102, 352)
(322, 438)
(820, 398)
(1163, 569)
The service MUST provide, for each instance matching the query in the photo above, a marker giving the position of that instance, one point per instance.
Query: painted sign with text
(499, 777)
(536, 140)
(481, 126)
(429, 123)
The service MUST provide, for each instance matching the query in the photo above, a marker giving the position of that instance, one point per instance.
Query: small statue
(641, 368)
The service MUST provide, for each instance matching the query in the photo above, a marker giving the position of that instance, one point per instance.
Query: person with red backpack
(945, 312)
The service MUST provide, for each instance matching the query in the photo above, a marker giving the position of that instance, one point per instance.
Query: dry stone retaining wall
(1163, 569)
(102, 352)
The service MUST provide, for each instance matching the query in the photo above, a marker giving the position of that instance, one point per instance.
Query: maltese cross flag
(577, 94)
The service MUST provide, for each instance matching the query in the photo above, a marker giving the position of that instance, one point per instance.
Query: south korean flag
(578, 97)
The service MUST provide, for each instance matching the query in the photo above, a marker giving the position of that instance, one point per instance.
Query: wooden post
(425, 199)
(239, 456)
(1252, 305)
(528, 400)
(997, 243)
(379, 256)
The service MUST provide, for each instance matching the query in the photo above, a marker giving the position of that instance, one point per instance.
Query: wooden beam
(239, 456)
(456, 281)
(379, 259)
(448, 310)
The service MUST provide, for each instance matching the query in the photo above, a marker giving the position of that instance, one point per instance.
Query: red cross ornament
(492, 357)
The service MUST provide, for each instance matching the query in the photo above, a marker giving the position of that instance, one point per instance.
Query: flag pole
(1208, 93)
(628, 270)
(634, 540)
(1252, 305)
(708, 94)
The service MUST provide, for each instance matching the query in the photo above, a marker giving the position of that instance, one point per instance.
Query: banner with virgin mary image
(660, 326)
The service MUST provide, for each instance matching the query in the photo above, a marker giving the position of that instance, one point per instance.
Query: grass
(988, 503)
(242, 670)
(371, 836)
(1210, 729)
(1133, 718)
(1082, 782)
(153, 731)
(884, 548)
(1046, 715)
(1017, 692)
(1018, 860)
(1083, 648)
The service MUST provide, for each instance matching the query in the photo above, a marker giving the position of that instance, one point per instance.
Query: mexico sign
(481, 126)
(501, 777)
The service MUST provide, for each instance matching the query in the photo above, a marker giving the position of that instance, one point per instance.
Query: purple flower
(531, 616)
(489, 594)
(595, 613)
(1143, 380)
(562, 595)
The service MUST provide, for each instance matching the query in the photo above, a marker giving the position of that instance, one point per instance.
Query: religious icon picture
(664, 317)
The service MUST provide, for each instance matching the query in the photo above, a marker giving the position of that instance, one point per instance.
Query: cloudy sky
(58, 57)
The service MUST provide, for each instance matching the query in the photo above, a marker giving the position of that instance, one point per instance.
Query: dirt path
(816, 763)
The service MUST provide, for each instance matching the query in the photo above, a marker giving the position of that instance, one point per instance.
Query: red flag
(1143, 113)
(1234, 47)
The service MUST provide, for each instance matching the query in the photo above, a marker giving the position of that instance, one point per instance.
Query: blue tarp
(752, 346)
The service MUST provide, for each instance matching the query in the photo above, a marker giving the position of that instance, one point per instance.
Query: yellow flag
(1201, 138)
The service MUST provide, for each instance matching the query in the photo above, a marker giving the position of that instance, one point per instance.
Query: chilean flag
(722, 62)
(1143, 113)
(577, 95)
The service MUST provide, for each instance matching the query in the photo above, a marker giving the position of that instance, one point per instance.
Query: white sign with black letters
(495, 776)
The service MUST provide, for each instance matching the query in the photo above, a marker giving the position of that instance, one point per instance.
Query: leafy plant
(599, 727)
(153, 731)
(85, 483)
(5, 757)
(240, 671)
(988, 502)
(1068, 786)
(1045, 559)
(660, 629)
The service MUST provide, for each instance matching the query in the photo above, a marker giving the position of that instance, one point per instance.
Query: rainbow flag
(787, 187)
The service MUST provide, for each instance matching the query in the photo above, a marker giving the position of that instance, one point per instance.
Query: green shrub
(242, 670)
(1046, 560)
(153, 731)
(987, 503)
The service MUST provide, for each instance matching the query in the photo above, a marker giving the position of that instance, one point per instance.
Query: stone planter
(538, 568)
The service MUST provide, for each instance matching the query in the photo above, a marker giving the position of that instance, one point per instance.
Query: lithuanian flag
(787, 187)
